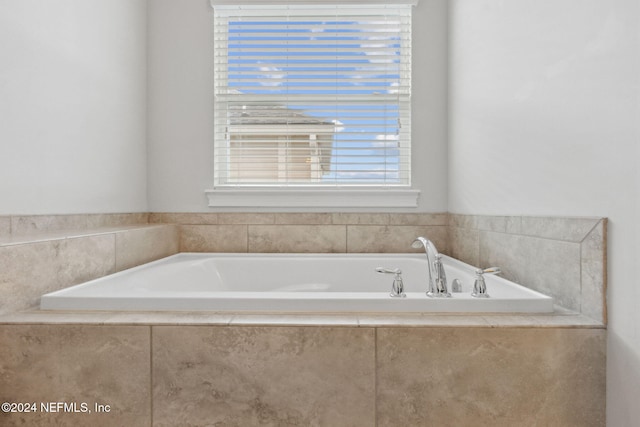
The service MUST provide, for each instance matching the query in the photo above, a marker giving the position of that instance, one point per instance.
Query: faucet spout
(437, 277)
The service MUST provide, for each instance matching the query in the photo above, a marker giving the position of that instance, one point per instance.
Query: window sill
(344, 197)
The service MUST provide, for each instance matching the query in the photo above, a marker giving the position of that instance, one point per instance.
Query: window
(312, 97)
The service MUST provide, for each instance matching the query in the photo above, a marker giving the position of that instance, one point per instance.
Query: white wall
(545, 120)
(72, 106)
(180, 86)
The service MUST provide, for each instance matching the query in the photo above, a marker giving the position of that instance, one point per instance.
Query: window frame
(308, 195)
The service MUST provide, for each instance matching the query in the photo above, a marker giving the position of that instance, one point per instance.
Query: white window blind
(312, 95)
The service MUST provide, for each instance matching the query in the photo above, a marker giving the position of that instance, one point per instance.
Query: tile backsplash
(315, 232)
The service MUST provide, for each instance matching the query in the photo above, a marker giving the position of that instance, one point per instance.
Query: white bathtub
(290, 283)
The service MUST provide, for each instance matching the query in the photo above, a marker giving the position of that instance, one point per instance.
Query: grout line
(151, 375)
(375, 375)
(591, 231)
(346, 238)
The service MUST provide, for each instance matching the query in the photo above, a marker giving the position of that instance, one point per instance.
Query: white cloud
(386, 141)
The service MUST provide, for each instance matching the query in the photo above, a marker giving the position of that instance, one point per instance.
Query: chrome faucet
(437, 276)
(397, 289)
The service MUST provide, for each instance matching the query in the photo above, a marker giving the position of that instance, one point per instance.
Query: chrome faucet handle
(397, 288)
(479, 285)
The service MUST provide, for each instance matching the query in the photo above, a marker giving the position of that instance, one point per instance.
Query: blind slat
(312, 95)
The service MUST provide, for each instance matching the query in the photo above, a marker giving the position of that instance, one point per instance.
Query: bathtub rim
(249, 303)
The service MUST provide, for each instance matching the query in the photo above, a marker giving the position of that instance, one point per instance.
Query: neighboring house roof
(277, 119)
(273, 115)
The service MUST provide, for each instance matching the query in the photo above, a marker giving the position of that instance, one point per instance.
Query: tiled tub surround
(39, 254)
(331, 373)
(305, 232)
(561, 257)
(166, 369)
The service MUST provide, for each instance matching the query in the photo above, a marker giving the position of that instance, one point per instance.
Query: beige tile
(494, 377)
(419, 219)
(55, 317)
(567, 229)
(167, 318)
(463, 221)
(32, 224)
(85, 258)
(213, 238)
(390, 238)
(513, 225)
(90, 364)
(295, 319)
(139, 246)
(303, 218)
(249, 376)
(5, 226)
(555, 320)
(184, 218)
(464, 245)
(421, 320)
(114, 220)
(548, 266)
(26, 272)
(360, 218)
(594, 273)
(297, 238)
(239, 218)
(31, 270)
(492, 223)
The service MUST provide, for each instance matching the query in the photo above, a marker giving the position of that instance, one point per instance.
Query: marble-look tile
(167, 318)
(303, 218)
(463, 221)
(30, 224)
(513, 225)
(64, 363)
(548, 266)
(391, 238)
(464, 245)
(297, 238)
(419, 219)
(114, 220)
(26, 272)
(30, 270)
(567, 229)
(246, 218)
(139, 246)
(295, 319)
(360, 218)
(5, 226)
(495, 377)
(85, 258)
(492, 223)
(551, 320)
(421, 320)
(38, 237)
(213, 238)
(594, 273)
(55, 317)
(248, 376)
(183, 218)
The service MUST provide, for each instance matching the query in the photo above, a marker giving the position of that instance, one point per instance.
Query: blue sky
(258, 65)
